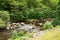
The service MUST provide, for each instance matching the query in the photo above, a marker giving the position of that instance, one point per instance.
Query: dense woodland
(30, 9)
(13, 11)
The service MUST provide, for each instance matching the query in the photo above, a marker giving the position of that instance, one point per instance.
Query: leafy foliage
(47, 25)
(56, 21)
(30, 9)
(20, 35)
(4, 18)
(2, 23)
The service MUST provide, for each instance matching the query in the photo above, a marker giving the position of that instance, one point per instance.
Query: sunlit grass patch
(58, 26)
(54, 34)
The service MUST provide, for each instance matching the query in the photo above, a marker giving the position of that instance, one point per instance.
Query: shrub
(2, 23)
(35, 13)
(16, 16)
(15, 34)
(4, 18)
(56, 21)
(47, 25)
(20, 35)
(4, 15)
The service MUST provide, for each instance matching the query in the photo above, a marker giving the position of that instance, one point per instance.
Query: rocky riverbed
(25, 27)
(28, 28)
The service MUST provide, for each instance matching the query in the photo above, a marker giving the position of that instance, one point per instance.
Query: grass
(58, 26)
(54, 34)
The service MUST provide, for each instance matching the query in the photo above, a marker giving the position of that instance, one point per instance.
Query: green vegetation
(22, 10)
(20, 35)
(58, 26)
(4, 18)
(2, 23)
(53, 34)
(47, 25)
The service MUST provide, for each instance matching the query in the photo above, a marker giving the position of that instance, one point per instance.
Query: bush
(56, 21)
(35, 13)
(4, 18)
(20, 35)
(17, 16)
(2, 23)
(15, 34)
(47, 25)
